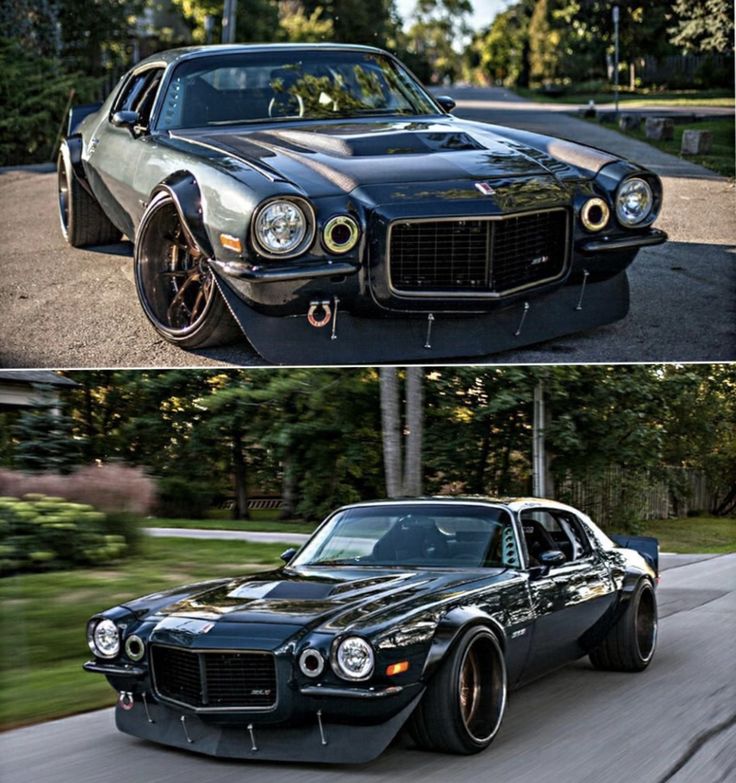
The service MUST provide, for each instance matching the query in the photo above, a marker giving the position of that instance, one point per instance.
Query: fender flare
(70, 150)
(451, 627)
(183, 188)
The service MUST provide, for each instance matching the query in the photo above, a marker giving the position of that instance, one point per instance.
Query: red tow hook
(126, 700)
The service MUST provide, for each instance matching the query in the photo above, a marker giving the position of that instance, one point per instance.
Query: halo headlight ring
(310, 228)
(311, 662)
(340, 234)
(595, 214)
(135, 649)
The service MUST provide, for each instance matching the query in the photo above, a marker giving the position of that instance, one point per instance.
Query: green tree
(257, 20)
(44, 441)
(704, 25)
(357, 21)
(438, 29)
(299, 27)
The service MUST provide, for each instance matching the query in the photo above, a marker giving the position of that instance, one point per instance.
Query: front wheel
(465, 701)
(175, 284)
(629, 645)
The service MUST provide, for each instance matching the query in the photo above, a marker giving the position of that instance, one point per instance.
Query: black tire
(175, 285)
(461, 715)
(82, 220)
(631, 642)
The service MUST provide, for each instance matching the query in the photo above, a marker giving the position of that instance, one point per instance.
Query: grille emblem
(539, 260)
(485, 188)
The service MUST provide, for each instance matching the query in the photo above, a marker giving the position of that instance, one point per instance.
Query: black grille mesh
(478, 255)
(215, 679)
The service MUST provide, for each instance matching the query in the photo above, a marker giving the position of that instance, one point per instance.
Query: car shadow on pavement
(118, 249)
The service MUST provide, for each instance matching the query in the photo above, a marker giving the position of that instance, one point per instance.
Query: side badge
(517, 633)
(485, 188)
(207, 628)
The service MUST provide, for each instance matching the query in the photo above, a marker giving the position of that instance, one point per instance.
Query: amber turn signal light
(231, 243)
(397, 668)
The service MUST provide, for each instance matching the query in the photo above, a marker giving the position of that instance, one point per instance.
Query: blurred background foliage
(207, 441)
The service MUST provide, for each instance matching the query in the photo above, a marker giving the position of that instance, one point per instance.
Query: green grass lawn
(721, 156)
(43, 619)
(693, 535)
(637, 98)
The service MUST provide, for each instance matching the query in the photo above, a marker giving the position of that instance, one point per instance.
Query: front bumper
(352, 338)
(318, 739)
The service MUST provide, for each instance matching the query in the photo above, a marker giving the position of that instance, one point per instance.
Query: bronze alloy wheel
(482, 688)
(175, 283)
(646, 624)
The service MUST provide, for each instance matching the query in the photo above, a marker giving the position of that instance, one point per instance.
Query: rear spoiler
(78, 113)
(646, 546)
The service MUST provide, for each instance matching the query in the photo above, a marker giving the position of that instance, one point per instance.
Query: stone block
(607, 117)
(659, 128)
(629, 122)
(695, 142)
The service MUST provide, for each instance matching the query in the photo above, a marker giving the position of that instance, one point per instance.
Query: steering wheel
(286, 105)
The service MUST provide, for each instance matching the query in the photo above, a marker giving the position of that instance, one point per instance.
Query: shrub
(39, 533)
(114, 489)
(180, 497)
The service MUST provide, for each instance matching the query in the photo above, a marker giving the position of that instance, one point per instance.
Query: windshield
(442, 535)
(286, 85)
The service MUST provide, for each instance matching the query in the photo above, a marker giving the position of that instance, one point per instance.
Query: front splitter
(290, 340)
(332, 743)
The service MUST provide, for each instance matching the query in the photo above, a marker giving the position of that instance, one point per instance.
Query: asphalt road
(66, 308)
(676, 722)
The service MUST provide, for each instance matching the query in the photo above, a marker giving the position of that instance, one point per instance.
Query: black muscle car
(419, 612)
(317, 199)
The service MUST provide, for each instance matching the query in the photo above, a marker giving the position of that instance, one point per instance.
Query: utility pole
(538, 455)
(616, 20)
(229, 12)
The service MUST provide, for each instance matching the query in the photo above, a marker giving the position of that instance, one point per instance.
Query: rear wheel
(175, 284)
(463, 707)
(82, 220)
(630, 644)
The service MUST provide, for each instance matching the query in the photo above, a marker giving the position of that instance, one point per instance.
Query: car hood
(311, 596)
(331, 157)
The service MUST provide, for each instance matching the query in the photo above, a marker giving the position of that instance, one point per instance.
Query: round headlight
(134, 647)
(634, 201)
(340, 234)
(594, 214)
(354, 659)
(104, 639)
(281, 228)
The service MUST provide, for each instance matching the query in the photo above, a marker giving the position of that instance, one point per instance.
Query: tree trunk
(390, 424)
(288, 489)
(240, 509)
(414, 431)
(478, 485)
(549, 481)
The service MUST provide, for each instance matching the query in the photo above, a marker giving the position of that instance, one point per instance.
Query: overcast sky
(484, 10)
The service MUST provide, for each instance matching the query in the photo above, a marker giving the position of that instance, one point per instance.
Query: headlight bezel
(307, 239)
(346, 674)
(651, 214)
(336, 221)
(93, 626)
(589, 224)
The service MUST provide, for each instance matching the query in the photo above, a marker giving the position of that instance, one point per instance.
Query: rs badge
(485, 188)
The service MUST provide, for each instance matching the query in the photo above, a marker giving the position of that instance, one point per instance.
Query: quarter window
(546, 529)
(139, 94)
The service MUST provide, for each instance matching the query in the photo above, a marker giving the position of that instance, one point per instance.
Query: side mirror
(288, 554)
(551, 557)
(446, 102)
(126, 119)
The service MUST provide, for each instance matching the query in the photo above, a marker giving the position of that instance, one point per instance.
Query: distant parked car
(318, 200)
(418, 612)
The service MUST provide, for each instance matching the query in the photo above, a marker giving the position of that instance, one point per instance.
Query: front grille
(215, 680)
(478, 256)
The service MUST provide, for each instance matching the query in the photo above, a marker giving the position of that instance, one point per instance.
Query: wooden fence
(674, 492)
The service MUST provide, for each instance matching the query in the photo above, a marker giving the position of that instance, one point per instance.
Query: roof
(45, 377)
(515, 504)
(187, 52)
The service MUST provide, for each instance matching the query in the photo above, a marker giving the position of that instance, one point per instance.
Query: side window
(139, 93)
(547, 529)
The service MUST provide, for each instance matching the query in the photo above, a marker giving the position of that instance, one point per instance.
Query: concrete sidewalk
(495, 104)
